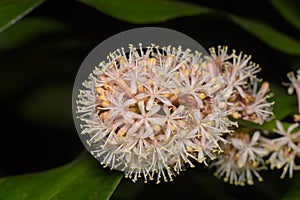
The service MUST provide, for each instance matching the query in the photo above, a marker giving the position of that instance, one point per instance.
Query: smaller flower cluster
(244, 157)
(285, 149)
(241, 86)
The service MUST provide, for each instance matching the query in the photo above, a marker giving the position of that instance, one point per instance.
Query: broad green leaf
(268, 35)
(13, 10)
(289, 9)
(293, 193)
(285, 104)
(146, 11)
(153, 11)
(49, 105)
(28, 30)
(81, 179)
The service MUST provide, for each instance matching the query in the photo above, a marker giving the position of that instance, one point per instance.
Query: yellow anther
(151, 62)
(156, 127)
(173, 127)
(102, 97)
(236, 115)
(202, 95)
(105, 104)
(106, 85)
(166, 95)
(186, 72)
(99, 90)
(189, 149)
(102, 77)
(173, 98)
(213, 79)
(183, 66)
(297, 118)
(103, 115)
(176, 91)
(121, 133)
(122, 62)
(140, 88)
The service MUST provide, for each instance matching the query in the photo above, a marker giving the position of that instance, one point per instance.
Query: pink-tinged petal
(260, 151)
(292, 127)
(142, 96)
(255, 138)
(141, 105)
(133, 87)
(157, 120)
(130, 102)
(242, 159)
(154, 110)
(165, 101)
(197, 115)
(150, 103)
(280, 128)
(168, 131)
(133, 129)
(237, 143)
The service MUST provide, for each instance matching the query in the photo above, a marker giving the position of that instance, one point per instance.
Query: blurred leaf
(146, 11)
(13, 10)
(49, 105)
(80, 179)
(289, 9)
(293, 192)
(27, 30)
(285, 104)
(268, 35)
(38, 50)
(152, 11)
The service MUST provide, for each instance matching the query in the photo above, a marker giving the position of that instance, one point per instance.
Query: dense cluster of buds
(154, 111)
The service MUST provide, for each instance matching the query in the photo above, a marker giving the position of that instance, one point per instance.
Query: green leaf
(285, 104)
(289, 10)
(81, 179)
(28, 30)
(293, 192)
(49, 105)
(13, 10)
(268, 35)
(153, 11)
(146, 11)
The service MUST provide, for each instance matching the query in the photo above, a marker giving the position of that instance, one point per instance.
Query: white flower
(242, 159)
(150, 112)
(240, 85)
(288, 138)
(285, 149)
(248, 150)
(284, 158)
(295, 85)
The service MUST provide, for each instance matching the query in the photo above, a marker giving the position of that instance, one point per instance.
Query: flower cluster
(242, 158)
(244, 154)
(154, 111)
(285, 149)
(245, 99)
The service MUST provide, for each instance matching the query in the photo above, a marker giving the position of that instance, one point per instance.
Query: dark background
(37, 78)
